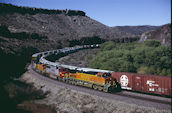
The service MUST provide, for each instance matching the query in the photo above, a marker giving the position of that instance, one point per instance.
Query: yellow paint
(40, 67)
(90, 78)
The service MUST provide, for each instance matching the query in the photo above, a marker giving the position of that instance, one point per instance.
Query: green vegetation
(21, 36)
(10, 9)
(14, 92)
(149, 57)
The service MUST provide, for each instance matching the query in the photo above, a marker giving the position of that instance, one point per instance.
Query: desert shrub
(8, 8)
(152, 43)
(75, 13)
(143, 58)
(21, 36)
(108, 45)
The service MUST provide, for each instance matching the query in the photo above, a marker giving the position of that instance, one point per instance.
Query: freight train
(104, 80)
(93, 78)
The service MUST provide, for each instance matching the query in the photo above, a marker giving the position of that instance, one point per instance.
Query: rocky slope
(137, 30)
(163, 34)
(67, 100)
(59, 26)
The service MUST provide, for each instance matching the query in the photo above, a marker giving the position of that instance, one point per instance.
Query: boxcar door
(137, 83)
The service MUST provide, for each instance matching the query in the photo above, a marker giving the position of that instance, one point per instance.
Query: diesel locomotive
(104, 80)
(93, 78)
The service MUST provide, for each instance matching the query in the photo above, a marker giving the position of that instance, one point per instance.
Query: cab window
(105, 75)
(72, 71)
(99, 76)
(48, 66)
(44, 65)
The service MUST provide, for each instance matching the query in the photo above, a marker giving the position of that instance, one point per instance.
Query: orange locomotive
(92, 79)
(41, 67)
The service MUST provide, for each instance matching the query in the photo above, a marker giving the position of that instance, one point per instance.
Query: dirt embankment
(20, 98)
(36, 108)
(66, 100)
(80, 58)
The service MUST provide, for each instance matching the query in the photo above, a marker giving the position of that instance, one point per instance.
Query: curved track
(128, 97)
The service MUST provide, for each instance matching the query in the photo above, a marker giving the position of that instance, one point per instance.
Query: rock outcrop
(163, 34)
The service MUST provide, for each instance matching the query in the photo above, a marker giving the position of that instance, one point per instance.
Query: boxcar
(144, 83)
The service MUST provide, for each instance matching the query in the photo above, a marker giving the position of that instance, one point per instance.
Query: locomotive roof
(35, 55)
(85, 69)
(95, 70)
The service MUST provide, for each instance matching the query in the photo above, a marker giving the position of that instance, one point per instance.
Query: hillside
(24, 31)
(163, 34)
(59, 26)
(137, 30)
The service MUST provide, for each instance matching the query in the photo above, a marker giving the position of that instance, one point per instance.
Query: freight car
(94, 78)
(98, 79)
(152, 84)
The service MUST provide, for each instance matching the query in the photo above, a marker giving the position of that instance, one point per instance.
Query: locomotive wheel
(105, 90)
(94, 86)
(72, 82)
(67, 81)
(60, 79)
(63, 79)
(100, 88)
(76, 83)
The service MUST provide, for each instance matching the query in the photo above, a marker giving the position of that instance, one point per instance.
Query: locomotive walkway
(128, 97)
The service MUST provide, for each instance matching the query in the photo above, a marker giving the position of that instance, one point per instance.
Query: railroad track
(142, 97)
(125, 96)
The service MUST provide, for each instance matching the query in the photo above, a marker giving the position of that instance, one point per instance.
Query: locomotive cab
(63, 72)
(111, 85)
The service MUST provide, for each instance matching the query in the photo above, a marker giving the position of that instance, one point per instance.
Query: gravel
(74, 101)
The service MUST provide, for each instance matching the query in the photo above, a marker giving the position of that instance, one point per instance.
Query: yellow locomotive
(96, 80)
(93, 78)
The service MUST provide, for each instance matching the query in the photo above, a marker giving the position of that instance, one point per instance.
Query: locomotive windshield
(106, 75)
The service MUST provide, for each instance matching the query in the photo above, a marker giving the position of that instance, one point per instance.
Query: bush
(145, 58)
(108, 46)
(21, 36)
(152, 43)
(8, 8)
